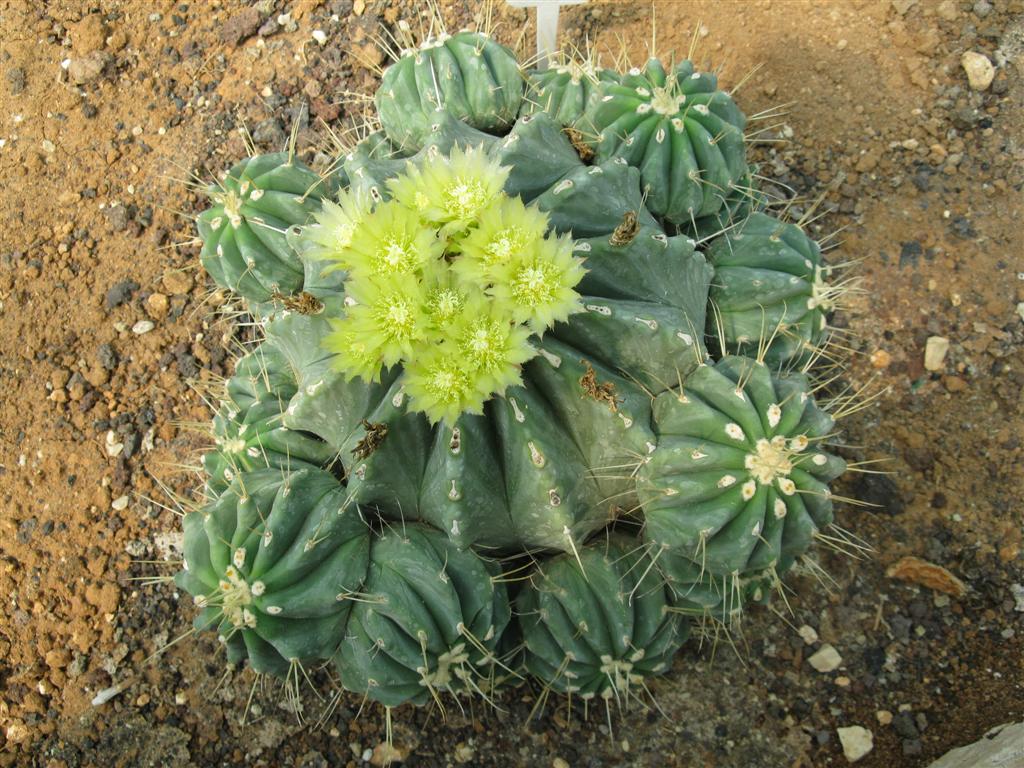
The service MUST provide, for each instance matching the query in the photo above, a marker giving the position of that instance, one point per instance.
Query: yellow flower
(354, 354)
(539, 290)
(505, 232)
(493, 348)
(450, 279)
(336, 223)
(440, 386)
(388, 318)
(391, 241)
(450, 190)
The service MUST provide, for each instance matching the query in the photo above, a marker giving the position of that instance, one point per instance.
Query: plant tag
(547, 25)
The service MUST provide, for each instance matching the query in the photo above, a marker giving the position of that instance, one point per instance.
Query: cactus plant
(243, 232)
(738, 484)
(769, 287)
(273, 563)
(468, 75)
(600, 624)
(565, 89)
(249, 429)
(431, 621)
(489, 327)
(684, 135)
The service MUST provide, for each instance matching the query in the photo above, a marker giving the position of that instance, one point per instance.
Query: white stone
(825, 659)
(857, 741)
(808, 634)
(113, 446)
(143, 326)
(1001, 747)
(935, 350)
(979, 69)
(1017, 590)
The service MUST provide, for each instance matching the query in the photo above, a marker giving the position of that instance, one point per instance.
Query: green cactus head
(684, 135)
(560, 442)
(273, 563)
(431, 622)
(600, 624)
(249, 428)
(244, 243)
(566, 88)
(738, 484)
(770, 295)
(468, 75)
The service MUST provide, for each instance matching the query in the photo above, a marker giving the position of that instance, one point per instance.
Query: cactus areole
(505, 418)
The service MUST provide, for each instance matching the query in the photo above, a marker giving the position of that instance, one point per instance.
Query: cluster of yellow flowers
(449, 277)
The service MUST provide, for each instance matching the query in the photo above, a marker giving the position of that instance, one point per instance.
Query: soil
(111, 337)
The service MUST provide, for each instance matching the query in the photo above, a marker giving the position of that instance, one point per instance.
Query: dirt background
(110, 339)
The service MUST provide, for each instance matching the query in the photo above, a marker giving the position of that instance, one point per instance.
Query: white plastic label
(547, 25)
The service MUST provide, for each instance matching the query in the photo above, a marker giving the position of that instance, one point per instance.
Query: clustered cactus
(534, 389)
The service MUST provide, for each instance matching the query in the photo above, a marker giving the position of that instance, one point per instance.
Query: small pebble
(935, 353)
(857, 742)
(156, 305)
(825, 659)
(143, 326)
(177, 282)
(808, 634)
(979, 69)
(113, 446)
(880, 358)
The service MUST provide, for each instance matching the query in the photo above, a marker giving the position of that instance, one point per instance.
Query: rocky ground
(110, 337)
